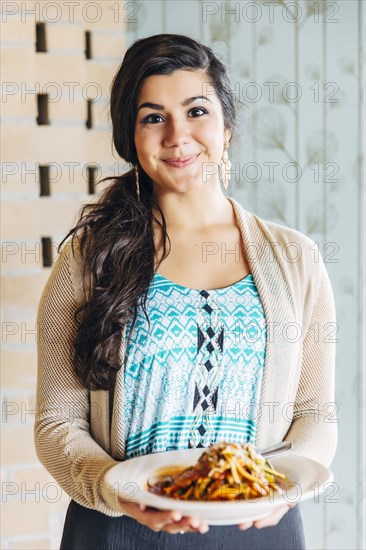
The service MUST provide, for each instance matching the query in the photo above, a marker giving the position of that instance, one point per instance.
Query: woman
(146, 349)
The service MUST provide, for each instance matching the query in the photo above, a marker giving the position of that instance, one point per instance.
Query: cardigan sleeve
(314, 429)
(62, 436)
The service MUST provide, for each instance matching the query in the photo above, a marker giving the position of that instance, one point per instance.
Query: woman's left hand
(268, 521)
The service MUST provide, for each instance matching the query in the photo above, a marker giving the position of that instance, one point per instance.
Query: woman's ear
(227, 135)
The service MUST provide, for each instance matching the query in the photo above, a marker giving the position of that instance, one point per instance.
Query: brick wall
(38, 211)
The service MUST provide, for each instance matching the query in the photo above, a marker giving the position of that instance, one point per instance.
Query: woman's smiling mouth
(180, 162)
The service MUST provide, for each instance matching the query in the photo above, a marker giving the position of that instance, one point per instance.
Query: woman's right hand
(170, 521)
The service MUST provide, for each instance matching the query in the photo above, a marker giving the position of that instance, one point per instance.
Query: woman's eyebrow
(184, 103)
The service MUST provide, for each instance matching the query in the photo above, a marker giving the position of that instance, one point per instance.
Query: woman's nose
(177, 132)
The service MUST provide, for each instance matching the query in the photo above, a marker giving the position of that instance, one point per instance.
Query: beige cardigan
(79, 434)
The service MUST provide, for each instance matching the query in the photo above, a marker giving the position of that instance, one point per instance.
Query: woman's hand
(268, 521)
(170, 521)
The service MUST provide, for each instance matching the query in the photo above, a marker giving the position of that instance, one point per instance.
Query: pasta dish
(226, 471)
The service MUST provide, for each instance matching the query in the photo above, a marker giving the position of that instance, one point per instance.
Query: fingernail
(176, 516)
(142, 507)
(204, 529)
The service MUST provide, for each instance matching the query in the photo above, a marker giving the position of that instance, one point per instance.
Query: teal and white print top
(194, 378)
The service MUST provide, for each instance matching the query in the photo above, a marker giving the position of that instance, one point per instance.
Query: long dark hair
(115, 234)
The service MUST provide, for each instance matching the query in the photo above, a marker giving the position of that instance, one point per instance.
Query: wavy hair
(115, 233)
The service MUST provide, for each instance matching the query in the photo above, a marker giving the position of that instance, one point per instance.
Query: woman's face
(171, 124)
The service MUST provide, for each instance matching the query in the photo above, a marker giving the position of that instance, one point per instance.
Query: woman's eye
(149, 119)
(198, 109)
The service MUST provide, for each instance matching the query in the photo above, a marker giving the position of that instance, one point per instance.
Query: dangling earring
(137, 182)
(225, 166)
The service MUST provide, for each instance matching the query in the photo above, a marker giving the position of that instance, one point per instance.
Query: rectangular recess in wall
(46, 251)
(92, 170)
(42, 106)
(89, 117)
(44, 181)
(41, 44)
(88, 45)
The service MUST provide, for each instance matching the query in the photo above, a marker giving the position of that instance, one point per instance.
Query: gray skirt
(87, 529)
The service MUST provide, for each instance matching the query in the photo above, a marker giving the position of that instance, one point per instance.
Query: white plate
(128, 480)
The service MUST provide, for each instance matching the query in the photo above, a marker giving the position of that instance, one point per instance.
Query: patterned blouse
(194, 376)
